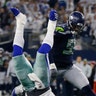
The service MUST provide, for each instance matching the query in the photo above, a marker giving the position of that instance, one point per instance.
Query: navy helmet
(76, 21)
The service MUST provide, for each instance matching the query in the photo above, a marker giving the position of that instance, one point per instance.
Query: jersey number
(69, 47)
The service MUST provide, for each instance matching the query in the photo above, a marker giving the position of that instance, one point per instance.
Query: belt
(37, 92)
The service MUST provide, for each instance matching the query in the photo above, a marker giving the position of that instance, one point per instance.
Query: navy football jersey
(62, 51)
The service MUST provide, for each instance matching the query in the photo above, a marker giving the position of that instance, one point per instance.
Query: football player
(62, 52)
(35, 81)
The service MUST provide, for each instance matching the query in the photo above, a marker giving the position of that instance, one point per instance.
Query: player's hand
(53, 15)
(15, 11)
(18, 91)
(53, 71)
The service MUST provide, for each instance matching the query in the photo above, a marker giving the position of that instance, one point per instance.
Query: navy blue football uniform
(62, 50)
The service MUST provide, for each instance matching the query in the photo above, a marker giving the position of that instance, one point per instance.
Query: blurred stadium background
(35, 29)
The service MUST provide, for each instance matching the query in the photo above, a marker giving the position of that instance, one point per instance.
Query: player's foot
(15, 11)
(20, 17)
(53, 15)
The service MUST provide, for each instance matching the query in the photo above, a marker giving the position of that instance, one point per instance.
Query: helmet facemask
(76, 21)
(76, 27)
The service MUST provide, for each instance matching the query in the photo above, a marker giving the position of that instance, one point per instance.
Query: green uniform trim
(59, 29)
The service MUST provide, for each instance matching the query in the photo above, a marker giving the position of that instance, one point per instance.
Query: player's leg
(78, 79)
(21, 64)
(41, 66)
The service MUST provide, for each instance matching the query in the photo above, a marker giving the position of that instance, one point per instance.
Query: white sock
(20, 22)
(50, 32)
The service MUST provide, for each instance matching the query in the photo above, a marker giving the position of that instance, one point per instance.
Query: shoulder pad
(62, 29)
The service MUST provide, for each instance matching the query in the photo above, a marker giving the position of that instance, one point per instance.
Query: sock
(48, 40)
(45, 48)
(18, 43)
(18, 39)
(17, 50)
(87, 91)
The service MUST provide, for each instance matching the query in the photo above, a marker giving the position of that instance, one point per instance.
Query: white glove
(53, 71)
(53, 66)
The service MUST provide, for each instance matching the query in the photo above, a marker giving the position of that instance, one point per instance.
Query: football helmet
(76, 21)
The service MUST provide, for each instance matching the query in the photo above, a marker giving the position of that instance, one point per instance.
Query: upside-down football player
(35, 81)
